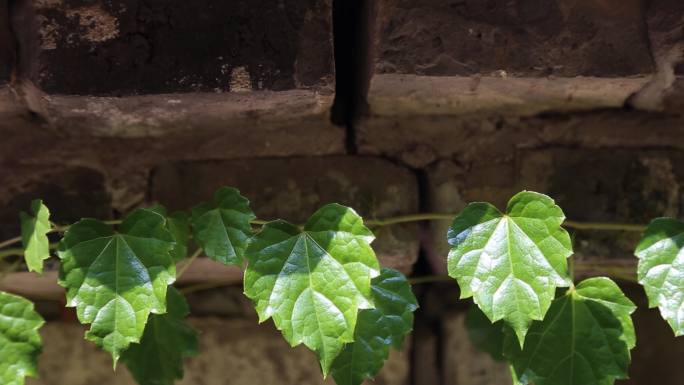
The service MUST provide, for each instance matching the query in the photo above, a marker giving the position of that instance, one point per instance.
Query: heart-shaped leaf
(511, 264)
(222, 228)
(377, 329)
(116, 279)
(313, 281)
(661, 269)
(20, 343)
(585, 338)
(158, 359)
(34, 229)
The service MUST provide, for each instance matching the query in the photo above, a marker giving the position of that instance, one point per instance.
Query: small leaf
(377, 329)
(661, 269)
(178, 225)
(511, 264)
(223, 228)
(313, 282)
(20, 343)
(115, 280)
(158, 359)
(585, 338)
(34, 229)
(486, 336)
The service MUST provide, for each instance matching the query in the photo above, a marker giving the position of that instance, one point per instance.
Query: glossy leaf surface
(511, 264)
(313, 281)
(661, 269)
(20, 343)
(116, 279)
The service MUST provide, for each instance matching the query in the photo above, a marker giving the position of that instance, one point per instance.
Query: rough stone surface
(465, 365)
(294, 188)
(232, 351)
(521, 37)
(135, 46)
(70, 192)
(6, 51)
(497, 139)
(608, 185)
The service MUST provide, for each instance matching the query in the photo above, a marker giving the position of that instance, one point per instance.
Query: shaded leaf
(511, 264)
(20, 343)
(377, 329)
(34, 229)
(116, 279)
(222, 228)
(585, 338)
(661, 269)
(178, 225)
(158, 358)
(313, 281)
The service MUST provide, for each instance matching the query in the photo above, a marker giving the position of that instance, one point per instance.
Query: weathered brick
(234, 349)
(71, 193)
(609, 185)
(6, 51)
(665, 22)
(462, 363)
(294, 188)
(134, 46)
(521, 37)
(496, 139)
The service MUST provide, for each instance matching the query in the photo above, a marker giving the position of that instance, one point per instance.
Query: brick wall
(106, 106)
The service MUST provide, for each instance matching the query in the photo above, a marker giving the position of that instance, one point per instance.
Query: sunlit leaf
(20, 343)
(313, 281)
(34, 229)
(512, 263)
(116, 279)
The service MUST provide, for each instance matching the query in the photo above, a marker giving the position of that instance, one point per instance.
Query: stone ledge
(475, 96)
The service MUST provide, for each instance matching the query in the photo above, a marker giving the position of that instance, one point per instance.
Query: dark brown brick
(6, 51)
(71, 193)
(521, 37)
(135, 46)
(293, 188)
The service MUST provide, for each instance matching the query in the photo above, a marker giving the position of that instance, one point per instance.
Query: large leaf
(223, 227)
(377, 329)
(511, 264)
(661, 269)
(20, 343)
(313, 281)
(158, 359)
(115, 280)
(585, 338)
(34, 229)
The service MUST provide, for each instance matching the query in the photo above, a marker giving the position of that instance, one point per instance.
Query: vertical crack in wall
(352, 36)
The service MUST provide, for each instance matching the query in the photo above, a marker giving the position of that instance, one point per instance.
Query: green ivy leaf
(313, 281)
(178, 225)
(158, 359)
(486, 336)
(511, 264)
(661, 269)
(20, 343)
(115, 280)
(377, 329)
(223, 228)
(34, 229)
(585, 338)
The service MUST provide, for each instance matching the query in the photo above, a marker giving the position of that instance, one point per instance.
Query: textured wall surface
(106, 106)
